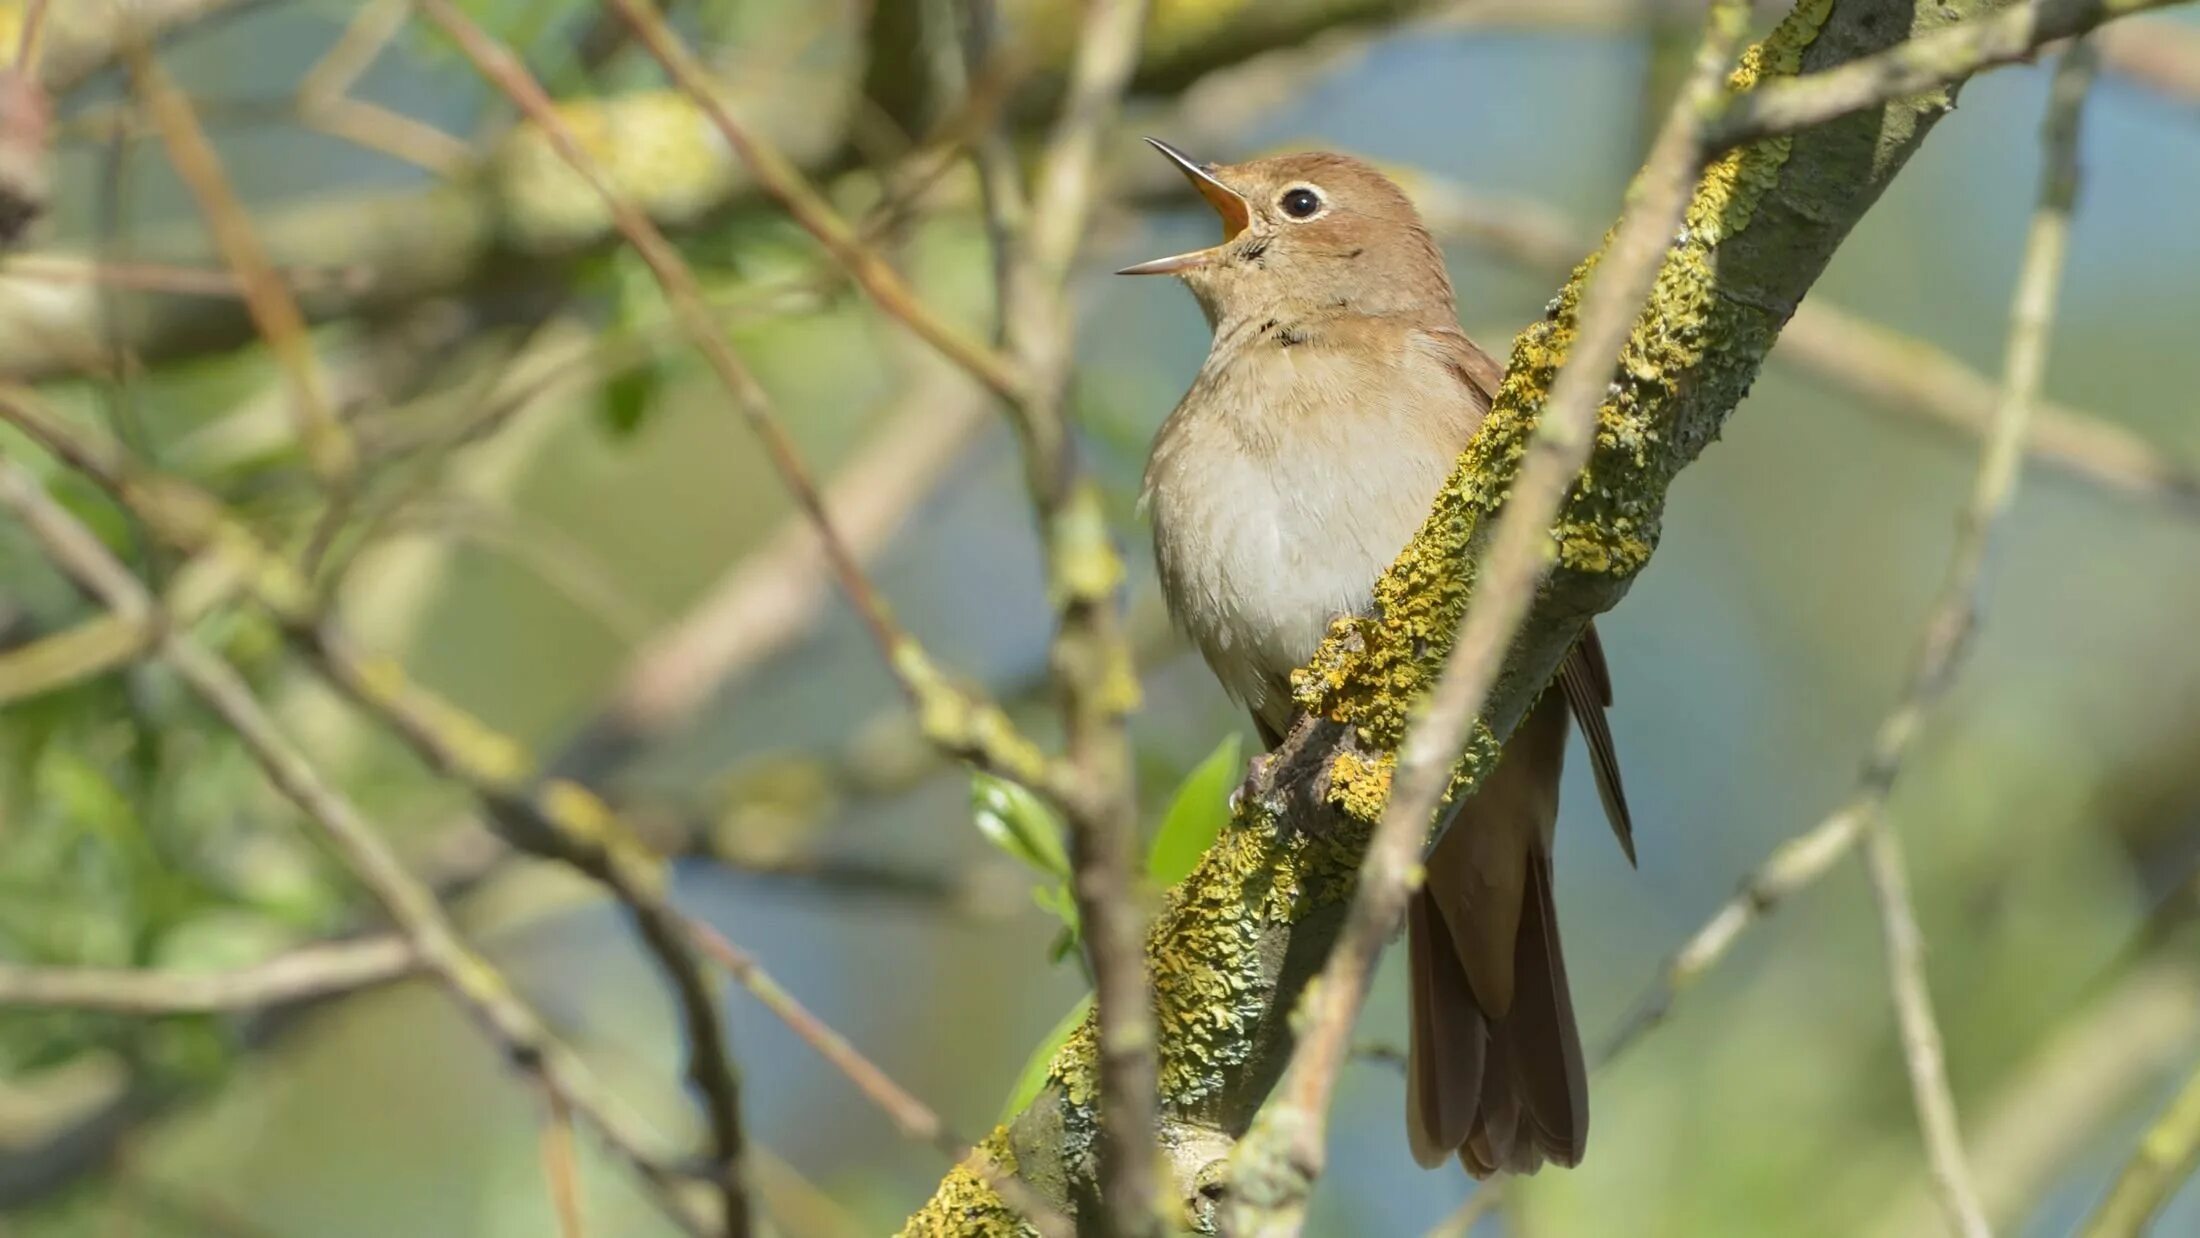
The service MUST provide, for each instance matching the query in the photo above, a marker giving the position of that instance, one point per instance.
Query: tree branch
(1273, 1172)
(1948, 630)
(1236, 941)
(307, 972)
(1922, 64)
(2165, 1157)
(473, 981)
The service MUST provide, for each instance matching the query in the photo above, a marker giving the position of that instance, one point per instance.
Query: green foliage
(1195, 815)
(1034, 1074)
(1018, 822)
(1021, 824)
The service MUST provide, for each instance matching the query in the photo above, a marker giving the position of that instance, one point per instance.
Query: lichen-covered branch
(1237, 940)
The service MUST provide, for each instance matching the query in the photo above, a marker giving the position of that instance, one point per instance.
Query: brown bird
(1337, 394)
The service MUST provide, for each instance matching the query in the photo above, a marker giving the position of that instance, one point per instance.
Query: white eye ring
(1300, 203)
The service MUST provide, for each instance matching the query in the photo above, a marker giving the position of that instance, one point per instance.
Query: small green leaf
(1034, 1075)
(626, 399)
(1019, 823)
(1196, 814)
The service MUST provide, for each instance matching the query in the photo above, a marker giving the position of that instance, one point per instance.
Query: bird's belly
(1260, 554)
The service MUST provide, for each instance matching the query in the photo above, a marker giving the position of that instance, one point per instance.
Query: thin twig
(783, 181)
(554, 817)
(1488, 1197)
(2165, 1157)
(325, 102)
(301, 974)
(1090, 656)
(956, 718)
(1948, 633)
(560, 1168)
(911, 1116)
(1927, 62)
(1290, 1129)
(1801, 861)
(173, 279)
(28, 43)
(1924, 1051)
(472, 979)
(772, 596)
(267, 296)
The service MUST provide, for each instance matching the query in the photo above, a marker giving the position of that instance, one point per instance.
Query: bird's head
(1306, 236)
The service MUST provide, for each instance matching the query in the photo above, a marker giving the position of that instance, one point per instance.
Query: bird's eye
(1300, 202)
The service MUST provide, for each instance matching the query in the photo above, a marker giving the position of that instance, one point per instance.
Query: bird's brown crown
(1308, 235)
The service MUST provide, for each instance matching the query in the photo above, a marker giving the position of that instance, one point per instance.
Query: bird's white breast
(1287, 480)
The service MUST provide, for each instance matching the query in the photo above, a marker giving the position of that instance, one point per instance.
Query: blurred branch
(1928, 62)
(560, 1167)
(1949, 629)
(327, 444)
(958, 719)
(1487, 1198)
(520, 208)
(307, 972)
(325, 101)
(784, 183)
(1279, 1159)
(1038, 236)
(105, 641)
(474, 982)
(90, 35)
(1237, 941)
(2110, 1052)
(913, 1117)
(2161, 56)
(773, 596)
(554, 818)
(1802, 860)
(2165, 1157)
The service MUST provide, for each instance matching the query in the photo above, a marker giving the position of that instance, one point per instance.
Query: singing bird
(1337, 395)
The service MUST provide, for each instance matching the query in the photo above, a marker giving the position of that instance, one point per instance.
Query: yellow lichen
(964, 1206)
(1372, 670)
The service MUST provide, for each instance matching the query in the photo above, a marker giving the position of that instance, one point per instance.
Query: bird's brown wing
(1494, 1071)
(1587, 683)
(1476, 368)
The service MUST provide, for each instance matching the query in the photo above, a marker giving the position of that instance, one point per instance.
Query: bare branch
(473, 981)
(2165, 1157)
(1090, 657)
(1928, 62)
(1948, 630)
(911, 1116)
(555, 818)
(274, 311)
(956, 718)
(784, 182)
(301, 974)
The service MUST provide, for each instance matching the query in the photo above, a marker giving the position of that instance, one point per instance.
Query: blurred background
(565, 526)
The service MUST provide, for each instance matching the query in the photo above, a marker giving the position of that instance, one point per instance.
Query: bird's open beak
(1228, 203)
